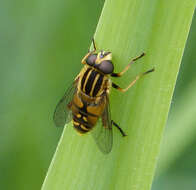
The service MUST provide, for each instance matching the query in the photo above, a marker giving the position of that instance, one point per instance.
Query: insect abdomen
(92, 82)
(80, 123)
(83, 120)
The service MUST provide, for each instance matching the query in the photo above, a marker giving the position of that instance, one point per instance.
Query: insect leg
(132, 83)
(127, 67)
(121, 131)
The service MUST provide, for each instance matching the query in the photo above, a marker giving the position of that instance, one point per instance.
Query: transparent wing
(102, 132)
(62, 113)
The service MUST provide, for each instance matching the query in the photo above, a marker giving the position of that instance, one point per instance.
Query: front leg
(132, 83)
(127, 67)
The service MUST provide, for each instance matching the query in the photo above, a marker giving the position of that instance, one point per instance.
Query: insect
(86, 101)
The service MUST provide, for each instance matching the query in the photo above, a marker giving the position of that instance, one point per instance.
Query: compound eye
(106, 67)
(91, 59)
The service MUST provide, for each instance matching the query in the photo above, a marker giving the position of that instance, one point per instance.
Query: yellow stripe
(86, 80)
(94, 83)
(84, 128)
(76, 123)
(78, 115)
(84, 118)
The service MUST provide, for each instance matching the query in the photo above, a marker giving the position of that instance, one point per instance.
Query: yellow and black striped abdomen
(80, 123)
(84, 116)
(92, 82)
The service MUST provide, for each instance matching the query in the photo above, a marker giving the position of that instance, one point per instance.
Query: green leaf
(127, 28)
(180, 132)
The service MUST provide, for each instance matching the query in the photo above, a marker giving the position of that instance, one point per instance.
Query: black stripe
(81, 121)
(83, 111)
(98, 85)
(90, 81)
(84, 77)
(79, 129)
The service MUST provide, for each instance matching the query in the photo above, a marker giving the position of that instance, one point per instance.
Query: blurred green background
(41, 46)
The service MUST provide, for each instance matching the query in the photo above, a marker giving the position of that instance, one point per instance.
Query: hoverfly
(86, 102)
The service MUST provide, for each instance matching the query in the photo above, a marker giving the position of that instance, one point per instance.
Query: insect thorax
(92, 82)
